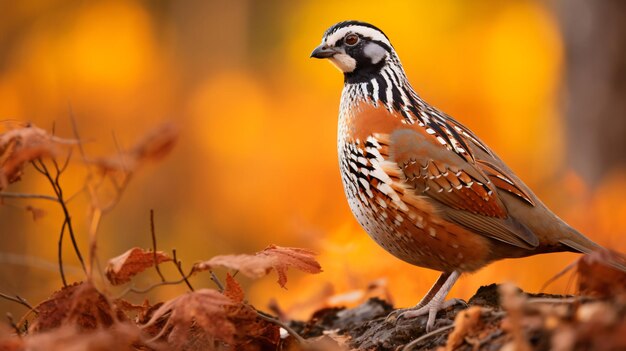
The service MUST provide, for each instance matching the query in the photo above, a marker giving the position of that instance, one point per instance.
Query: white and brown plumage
(421, 184)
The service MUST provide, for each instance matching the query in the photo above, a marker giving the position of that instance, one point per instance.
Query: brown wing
(464, 190)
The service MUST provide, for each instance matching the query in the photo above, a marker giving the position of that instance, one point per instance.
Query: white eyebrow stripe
(357, 29)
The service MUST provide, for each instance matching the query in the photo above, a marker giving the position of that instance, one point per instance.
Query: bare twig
(552, 300)
(558, 275)
(41, 168)
(19, 300)
(14, 325)
(93, 242)
(154, 246)
(179, 266)
(60, 253)
(156, 285)
(217, 281)
(426, 336)
(28, 196)
(279, 323)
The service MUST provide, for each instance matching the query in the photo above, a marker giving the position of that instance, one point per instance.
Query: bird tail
(580, 243)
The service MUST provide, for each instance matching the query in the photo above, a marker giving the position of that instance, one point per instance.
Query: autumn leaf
(79, 304)
(21, 145)
(122, 268)
(261, 263)
(198, 311)
(601, 274)
(155, 145)
(233, 290)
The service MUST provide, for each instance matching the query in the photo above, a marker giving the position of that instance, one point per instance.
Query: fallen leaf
(80, 305)
(466, 323)
(21, 145)
(513, 301)
(261, 263)
(601, 274)
(233, 290)
(122, 268)
(155, 145)
(252, 332)
(202, 309)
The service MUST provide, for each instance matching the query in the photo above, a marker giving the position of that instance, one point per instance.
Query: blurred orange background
(256, 161)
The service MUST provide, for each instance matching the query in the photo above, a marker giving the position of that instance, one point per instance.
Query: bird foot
(431, 308)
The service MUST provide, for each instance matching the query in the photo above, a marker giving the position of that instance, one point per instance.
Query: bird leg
(433, 301)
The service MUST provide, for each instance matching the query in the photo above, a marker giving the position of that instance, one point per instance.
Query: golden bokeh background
(256, 161)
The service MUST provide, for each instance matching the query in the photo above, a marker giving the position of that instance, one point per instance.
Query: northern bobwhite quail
(421, 184)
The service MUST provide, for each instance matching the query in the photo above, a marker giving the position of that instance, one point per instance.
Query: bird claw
(431, 309)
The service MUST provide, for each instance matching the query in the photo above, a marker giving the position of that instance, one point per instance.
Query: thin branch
(179, 266)
(67, 160)
(59, 192)
(156, 285)
(77, 135)
(217, 281)
(60, 253)
(14, 325)
(568, 268)
(28, 196)
(426, 336)
(93, 243)
(278, 322)
(154, 246)
(555, 300)
(19, 300)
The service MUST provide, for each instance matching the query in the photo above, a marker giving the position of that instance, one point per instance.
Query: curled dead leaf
(466, 323)
(602, 274)
(122, 268)
(261, 263)
(197, 315)
(21, 145)
(80, 305)
(155, 145)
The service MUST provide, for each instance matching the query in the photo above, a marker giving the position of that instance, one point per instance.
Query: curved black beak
(323, 51)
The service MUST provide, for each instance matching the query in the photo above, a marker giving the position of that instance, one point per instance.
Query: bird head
(358, 49)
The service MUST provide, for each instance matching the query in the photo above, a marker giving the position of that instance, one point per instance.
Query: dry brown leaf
(201, 309)
(233, 290)
(79, 304)
(466, 323)
(122, 268)
(513, 301)
(21, 145)
(601, 274)
(155, 145)
(253, 332)
(261, 263)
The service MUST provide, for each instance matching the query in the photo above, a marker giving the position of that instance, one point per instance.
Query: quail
(420, 183)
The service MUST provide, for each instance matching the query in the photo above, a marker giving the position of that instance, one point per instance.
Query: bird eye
(351, 39)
